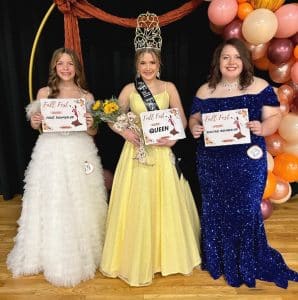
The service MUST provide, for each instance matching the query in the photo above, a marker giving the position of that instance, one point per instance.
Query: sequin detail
(234, 242)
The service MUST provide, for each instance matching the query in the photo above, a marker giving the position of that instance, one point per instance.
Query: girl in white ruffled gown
(61, 228)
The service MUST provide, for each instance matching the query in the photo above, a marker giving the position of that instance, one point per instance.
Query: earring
(158, 75)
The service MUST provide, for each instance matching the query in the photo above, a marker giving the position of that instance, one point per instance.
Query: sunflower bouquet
(105, 111)
(109, 111)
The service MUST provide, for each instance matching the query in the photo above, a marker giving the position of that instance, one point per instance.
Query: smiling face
(231, 64)
(65, 67)
(148, 66)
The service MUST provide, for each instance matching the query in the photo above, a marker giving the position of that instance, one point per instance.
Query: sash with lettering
(151, 104)
(145, 94)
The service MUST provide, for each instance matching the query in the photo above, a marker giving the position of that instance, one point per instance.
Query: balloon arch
(269, 29)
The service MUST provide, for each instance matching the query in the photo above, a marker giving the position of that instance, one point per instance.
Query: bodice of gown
(137, 105)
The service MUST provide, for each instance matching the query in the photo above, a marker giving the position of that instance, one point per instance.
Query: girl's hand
(255, 127)
(89, 120)
(165, 142)
(35, 120)
(131, 137)
(197, 131)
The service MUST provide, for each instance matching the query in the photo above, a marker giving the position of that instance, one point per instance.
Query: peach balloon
(284, 108)
(222, 12)
(257, 51)
(286, 166)
(283, 199)
(285, 94)
(259, 26)
(270, 185)
(281, 189)
(270, 161)
(291, 148)
(288, 128)
(294, 72)
(281, 73)
(274, 144)
(287, 17)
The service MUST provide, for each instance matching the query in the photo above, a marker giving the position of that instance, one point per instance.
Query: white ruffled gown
(61, 228)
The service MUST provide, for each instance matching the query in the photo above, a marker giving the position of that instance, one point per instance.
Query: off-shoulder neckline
(221, 98)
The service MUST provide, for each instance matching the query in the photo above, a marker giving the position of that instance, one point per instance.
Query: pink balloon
(294, 72)
(266, 209)
(280, 51)
(287, 18)
(222, 12)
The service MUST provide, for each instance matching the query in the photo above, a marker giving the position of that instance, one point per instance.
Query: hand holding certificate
(226, 127)
(63, 115)
(161, 123)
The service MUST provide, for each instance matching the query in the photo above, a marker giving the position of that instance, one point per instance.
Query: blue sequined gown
(234, 242)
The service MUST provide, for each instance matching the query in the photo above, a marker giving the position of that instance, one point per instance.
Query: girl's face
(231, 64)
(65, 68)
(148, 66)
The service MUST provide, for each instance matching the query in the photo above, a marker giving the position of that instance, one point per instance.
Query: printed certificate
(63, 114)
(162, 123)
(226, 127)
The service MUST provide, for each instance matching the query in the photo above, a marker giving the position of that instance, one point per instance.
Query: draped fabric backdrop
(108, 55)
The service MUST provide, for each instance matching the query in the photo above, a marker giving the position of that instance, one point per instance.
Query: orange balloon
(274, 144)
(286, 166)
(285, 198)
(262, 63)
(296, 52)
(244, 9)
(270, 185)
(241, 1)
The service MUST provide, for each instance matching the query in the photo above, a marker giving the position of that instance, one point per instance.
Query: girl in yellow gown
(152, 224)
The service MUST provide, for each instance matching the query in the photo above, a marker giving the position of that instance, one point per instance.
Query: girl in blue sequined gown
(232, 177)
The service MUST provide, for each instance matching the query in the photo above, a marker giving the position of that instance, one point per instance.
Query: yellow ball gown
(153, 224)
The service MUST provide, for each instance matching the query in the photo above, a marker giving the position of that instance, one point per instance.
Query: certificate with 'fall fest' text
(226, 127)
(63, 114)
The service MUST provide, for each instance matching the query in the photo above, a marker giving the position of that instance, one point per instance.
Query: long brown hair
(54, 79)
(246, 76)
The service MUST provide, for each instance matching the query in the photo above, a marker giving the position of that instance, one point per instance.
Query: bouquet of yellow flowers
(105, 111)
(109, 111)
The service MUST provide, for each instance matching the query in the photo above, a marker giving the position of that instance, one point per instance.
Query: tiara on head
(147, 32)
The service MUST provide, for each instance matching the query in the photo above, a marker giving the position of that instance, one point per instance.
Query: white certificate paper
(226, 127)
(162, 123)
(63, 114)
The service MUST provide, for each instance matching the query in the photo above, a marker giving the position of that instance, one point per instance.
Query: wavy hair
(246, 76)
(53, 81)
